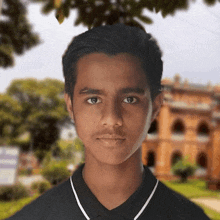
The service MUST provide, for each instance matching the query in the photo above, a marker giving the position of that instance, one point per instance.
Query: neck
(114, 184)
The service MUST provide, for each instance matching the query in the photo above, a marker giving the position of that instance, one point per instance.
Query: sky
(190, 41)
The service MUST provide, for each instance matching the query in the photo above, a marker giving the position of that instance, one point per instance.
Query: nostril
(112, 120)
(111, 115)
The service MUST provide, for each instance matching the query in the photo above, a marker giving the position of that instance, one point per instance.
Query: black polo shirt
(73, 200)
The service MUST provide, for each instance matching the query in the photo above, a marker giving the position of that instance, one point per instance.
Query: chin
(112, 162)
(111, 155)
(114, 159)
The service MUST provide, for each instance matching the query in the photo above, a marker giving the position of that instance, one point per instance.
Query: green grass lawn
(196, 189)
(191, 189)
(210, 213)
(9, 208)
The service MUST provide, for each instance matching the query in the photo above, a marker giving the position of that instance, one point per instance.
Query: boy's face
(111, 106)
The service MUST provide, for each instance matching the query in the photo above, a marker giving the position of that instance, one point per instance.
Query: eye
(130, 100)
(93, 100)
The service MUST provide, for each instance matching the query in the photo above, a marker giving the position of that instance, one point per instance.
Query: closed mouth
(111, 137)
(111, 141)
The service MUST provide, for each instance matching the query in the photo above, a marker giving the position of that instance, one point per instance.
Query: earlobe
(69, 105)
(158, 101)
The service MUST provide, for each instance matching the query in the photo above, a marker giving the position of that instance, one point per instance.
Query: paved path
(211, 203)
(28, 180)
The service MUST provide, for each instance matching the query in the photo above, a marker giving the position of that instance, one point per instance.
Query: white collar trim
(135, 218)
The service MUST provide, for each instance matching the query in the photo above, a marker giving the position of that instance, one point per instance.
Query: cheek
(139, 125)
(85, 122)
(139, 118)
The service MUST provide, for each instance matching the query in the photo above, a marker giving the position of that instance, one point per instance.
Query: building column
(164, 148)
(214, 160)
(144, 152)
(190, 147)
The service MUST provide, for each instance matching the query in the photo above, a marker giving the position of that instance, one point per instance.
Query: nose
(112, 115)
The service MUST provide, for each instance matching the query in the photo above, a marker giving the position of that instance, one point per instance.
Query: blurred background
(34, 125)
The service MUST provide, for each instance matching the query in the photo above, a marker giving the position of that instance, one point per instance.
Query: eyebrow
(87, 90)
(127, 90)
(132, 90)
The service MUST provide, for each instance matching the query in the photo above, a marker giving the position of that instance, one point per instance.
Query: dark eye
(130, 100)
(93, 100)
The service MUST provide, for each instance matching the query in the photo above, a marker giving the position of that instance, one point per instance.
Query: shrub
(183, 168)
(56, 172)
(25, 172)
(13, 192)
(23, 144)
(41, 186)
(47, 159)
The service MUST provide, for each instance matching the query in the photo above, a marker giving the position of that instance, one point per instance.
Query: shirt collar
(127, 210)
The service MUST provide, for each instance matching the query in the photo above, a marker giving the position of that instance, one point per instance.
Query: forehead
(111, 72)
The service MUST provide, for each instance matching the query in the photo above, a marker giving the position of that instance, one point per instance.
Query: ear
(158, 101)
(69, 105)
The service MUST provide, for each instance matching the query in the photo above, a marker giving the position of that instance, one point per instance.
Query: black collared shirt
(61, 203)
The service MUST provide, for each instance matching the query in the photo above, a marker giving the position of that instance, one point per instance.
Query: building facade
(187, 125)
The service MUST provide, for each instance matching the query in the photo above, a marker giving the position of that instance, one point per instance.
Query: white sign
(8, 165)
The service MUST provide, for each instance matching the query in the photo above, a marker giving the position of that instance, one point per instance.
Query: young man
(113, 93)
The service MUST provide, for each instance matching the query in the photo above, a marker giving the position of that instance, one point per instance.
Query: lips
(112, 143)
(111, 137)
(111, 140)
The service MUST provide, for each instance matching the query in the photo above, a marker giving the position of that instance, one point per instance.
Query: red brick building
(188, 125)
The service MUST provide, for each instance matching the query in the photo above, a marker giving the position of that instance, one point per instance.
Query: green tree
(10, 110)
(70, 152)
(43, 110)
(16, 35)
(183, 168)
(79, 146)
(93, 13)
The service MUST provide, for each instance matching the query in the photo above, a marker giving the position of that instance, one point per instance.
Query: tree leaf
(57, 3)
(60, 16)
(209, 2)
(145, 19)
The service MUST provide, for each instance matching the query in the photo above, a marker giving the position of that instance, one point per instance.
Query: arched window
(153, 128)
(178, 127)
(151, 159)
(202, 160)
(175, 157)
(203, 132)
(203, 129)
(178, 130)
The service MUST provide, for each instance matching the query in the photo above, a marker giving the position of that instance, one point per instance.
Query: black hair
(112, 40)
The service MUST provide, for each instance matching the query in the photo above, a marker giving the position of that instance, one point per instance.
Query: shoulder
(175, 206)
(48, 203)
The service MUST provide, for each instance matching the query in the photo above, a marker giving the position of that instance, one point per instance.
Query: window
(178, 127)
(203, 132)
(178, 130)
(151, 159)
(176, 156)
(153, 128)
(202, 160)
(203, 129)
